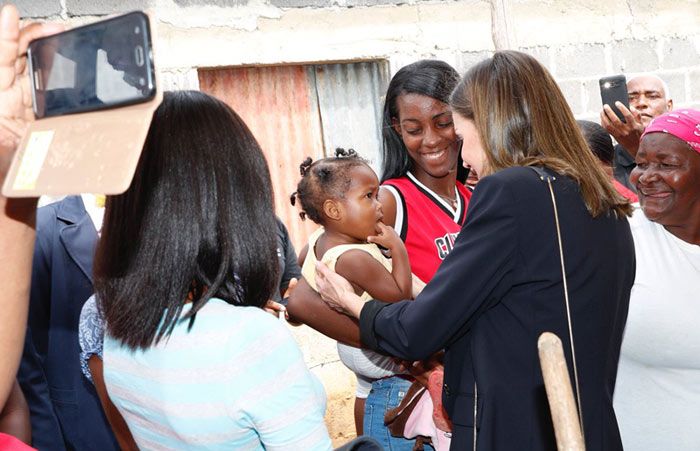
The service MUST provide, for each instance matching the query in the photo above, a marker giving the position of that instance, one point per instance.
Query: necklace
(450, 200)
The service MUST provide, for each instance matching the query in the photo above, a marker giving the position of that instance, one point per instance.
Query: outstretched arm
(17, 216)
(306, 306)
(473, 277)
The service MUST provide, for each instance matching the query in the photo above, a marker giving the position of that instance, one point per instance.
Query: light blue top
(236, 380)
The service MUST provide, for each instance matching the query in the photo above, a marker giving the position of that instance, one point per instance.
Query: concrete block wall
(578, 41)
(675, 59)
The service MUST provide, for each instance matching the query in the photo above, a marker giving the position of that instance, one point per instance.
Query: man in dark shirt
(648, 97)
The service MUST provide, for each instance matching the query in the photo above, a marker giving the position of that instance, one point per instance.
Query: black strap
(542, 174)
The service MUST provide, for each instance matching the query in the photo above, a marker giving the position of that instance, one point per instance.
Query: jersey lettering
(445, 244)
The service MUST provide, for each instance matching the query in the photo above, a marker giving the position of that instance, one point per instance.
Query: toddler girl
(340, 194)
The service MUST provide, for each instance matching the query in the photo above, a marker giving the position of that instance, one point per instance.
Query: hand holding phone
(621, 122)
(97, 66)
(614, 89)
(94, 92)
(15, 109)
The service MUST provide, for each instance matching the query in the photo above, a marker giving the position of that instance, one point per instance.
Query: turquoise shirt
(236, 380)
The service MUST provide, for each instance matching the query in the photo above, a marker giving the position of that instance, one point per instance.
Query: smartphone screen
(614, 89)
(93, 67)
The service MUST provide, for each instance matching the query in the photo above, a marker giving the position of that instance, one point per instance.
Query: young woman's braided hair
(323, 179)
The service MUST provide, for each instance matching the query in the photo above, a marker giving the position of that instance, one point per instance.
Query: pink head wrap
(683, 124)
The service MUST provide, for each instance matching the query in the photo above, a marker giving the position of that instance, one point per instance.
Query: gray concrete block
(326, 3)
(38, 8)
(579, 60)
(679, 53)
(103, 7)
(176, 80)
(351, 3)
(631, 55)
(541, 54)
(694, 105)
(302, 3)
(676, 86)
(466, 60)
(588, 117)
(572, 92)
(223, 3)
(592, 103)
(694, 82)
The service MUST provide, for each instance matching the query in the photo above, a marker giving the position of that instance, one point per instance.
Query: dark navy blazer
(498, 290)
(65, 411)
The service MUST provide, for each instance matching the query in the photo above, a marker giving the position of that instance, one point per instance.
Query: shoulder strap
(547, 178)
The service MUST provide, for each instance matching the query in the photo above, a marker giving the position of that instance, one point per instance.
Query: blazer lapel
(78, 236)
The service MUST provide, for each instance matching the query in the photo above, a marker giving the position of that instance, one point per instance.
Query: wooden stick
(559, 393)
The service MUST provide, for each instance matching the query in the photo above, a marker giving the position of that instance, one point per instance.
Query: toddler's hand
(386, 237)
(276, 309)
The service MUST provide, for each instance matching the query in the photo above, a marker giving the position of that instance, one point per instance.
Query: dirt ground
(321, 356)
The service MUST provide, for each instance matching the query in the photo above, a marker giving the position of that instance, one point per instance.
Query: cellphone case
(93, 152)
(614, 89)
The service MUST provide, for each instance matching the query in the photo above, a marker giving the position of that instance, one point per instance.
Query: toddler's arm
(367, 274)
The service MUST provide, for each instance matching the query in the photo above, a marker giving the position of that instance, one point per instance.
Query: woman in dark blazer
(502, 285)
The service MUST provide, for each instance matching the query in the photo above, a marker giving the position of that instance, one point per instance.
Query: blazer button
(446, 389)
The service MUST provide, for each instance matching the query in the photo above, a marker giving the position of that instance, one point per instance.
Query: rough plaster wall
(579, 41)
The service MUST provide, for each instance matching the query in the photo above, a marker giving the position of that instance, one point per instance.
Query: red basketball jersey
(426, 223)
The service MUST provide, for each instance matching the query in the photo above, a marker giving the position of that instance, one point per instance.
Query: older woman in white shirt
(657, 395)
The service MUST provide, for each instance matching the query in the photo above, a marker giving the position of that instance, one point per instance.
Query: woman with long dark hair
(506, 280)
(186, 262)
(423, 194)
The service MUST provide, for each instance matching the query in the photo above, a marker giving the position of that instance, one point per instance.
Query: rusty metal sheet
(279, 105)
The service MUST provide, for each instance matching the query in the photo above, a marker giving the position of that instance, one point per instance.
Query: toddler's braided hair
(327, 178)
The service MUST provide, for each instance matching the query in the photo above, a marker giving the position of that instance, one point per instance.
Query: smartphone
(98, 66)
(614, 89)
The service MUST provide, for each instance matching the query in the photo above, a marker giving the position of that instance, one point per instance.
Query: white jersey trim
(398, 221)
(456, 213)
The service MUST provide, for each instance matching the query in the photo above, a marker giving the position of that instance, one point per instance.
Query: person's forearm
(17, 231)
(354, 305)
(305, 306)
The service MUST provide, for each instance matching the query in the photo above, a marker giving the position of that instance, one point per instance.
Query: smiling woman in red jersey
(423, 192)
(423, 198)
(658, 382)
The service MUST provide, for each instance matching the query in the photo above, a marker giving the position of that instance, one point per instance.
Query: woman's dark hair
(324, 179)
(431, 78)
(598, 140)
(523, 120)
(197, 222)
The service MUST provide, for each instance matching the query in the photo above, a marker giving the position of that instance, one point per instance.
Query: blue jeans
(386, 394)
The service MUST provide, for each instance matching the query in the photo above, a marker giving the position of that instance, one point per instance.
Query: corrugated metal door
(279, 106)
(350, 98)
(300, 111)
